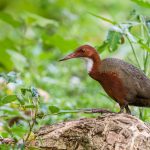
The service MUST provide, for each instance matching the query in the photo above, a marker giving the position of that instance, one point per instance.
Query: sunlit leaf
(18, 130)
(35, 19)
(5, 146)
(61, 42)
(18, 59)
(8, 99)
(24, 90)
(20, 98)
(9, 19)
(144, 46)
(102, 47)
(143, 3)
(6, 65)
(11, 112)
(113, 39)
(53, 109)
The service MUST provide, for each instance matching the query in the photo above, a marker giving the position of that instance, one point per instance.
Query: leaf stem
(145, 62)
(103, 18)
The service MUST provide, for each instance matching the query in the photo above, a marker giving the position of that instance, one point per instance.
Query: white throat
(89, 64)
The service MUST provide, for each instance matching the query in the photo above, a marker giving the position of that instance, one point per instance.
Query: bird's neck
(93, 63)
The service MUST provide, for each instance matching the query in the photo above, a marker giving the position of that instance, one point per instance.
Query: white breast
(89, 64)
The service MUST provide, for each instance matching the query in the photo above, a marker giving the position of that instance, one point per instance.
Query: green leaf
(11, 112)
(61, 42)
(142, 3)
(20, 98)
(5, 146)
(9, 19)
(30, 106)
(102, 47)
(103, 18)
(8, 99)
(7, 65)
(144, 46)
(18, 130)
(34, 19)
(54, 109)
(18, 59)
(24, 90)
(113, 39)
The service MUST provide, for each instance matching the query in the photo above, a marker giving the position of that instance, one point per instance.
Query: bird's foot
(127, 112)
(120, 112)
(122, 107)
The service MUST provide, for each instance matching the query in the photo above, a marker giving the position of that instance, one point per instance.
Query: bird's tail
(142, 102)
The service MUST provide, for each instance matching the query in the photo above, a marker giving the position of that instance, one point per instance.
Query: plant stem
(33, 122)
(145, 62)
(134, 53)
(147, 37)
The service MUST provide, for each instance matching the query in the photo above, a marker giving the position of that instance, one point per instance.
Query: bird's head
(85, 51)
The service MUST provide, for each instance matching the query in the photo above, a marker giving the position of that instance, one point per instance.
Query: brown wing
(134, 80)
(139, 80)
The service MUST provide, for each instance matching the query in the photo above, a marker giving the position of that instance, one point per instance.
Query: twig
(84, 110)
(95, 110)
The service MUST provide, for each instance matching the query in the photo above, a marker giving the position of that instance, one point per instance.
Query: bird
(122, 81)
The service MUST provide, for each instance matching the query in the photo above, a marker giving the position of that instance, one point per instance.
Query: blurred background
(34, 35)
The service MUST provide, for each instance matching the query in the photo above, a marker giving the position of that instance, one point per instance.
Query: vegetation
(36, 89)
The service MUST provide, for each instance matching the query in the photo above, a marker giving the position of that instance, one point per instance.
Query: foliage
(142, 3)
(35, 89)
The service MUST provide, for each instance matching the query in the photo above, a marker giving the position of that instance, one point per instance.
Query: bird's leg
(127, 110)
(121, 108)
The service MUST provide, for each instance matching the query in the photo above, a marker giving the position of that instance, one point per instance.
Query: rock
(107, 132)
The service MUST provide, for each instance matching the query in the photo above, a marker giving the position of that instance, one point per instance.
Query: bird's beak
(72, 55)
